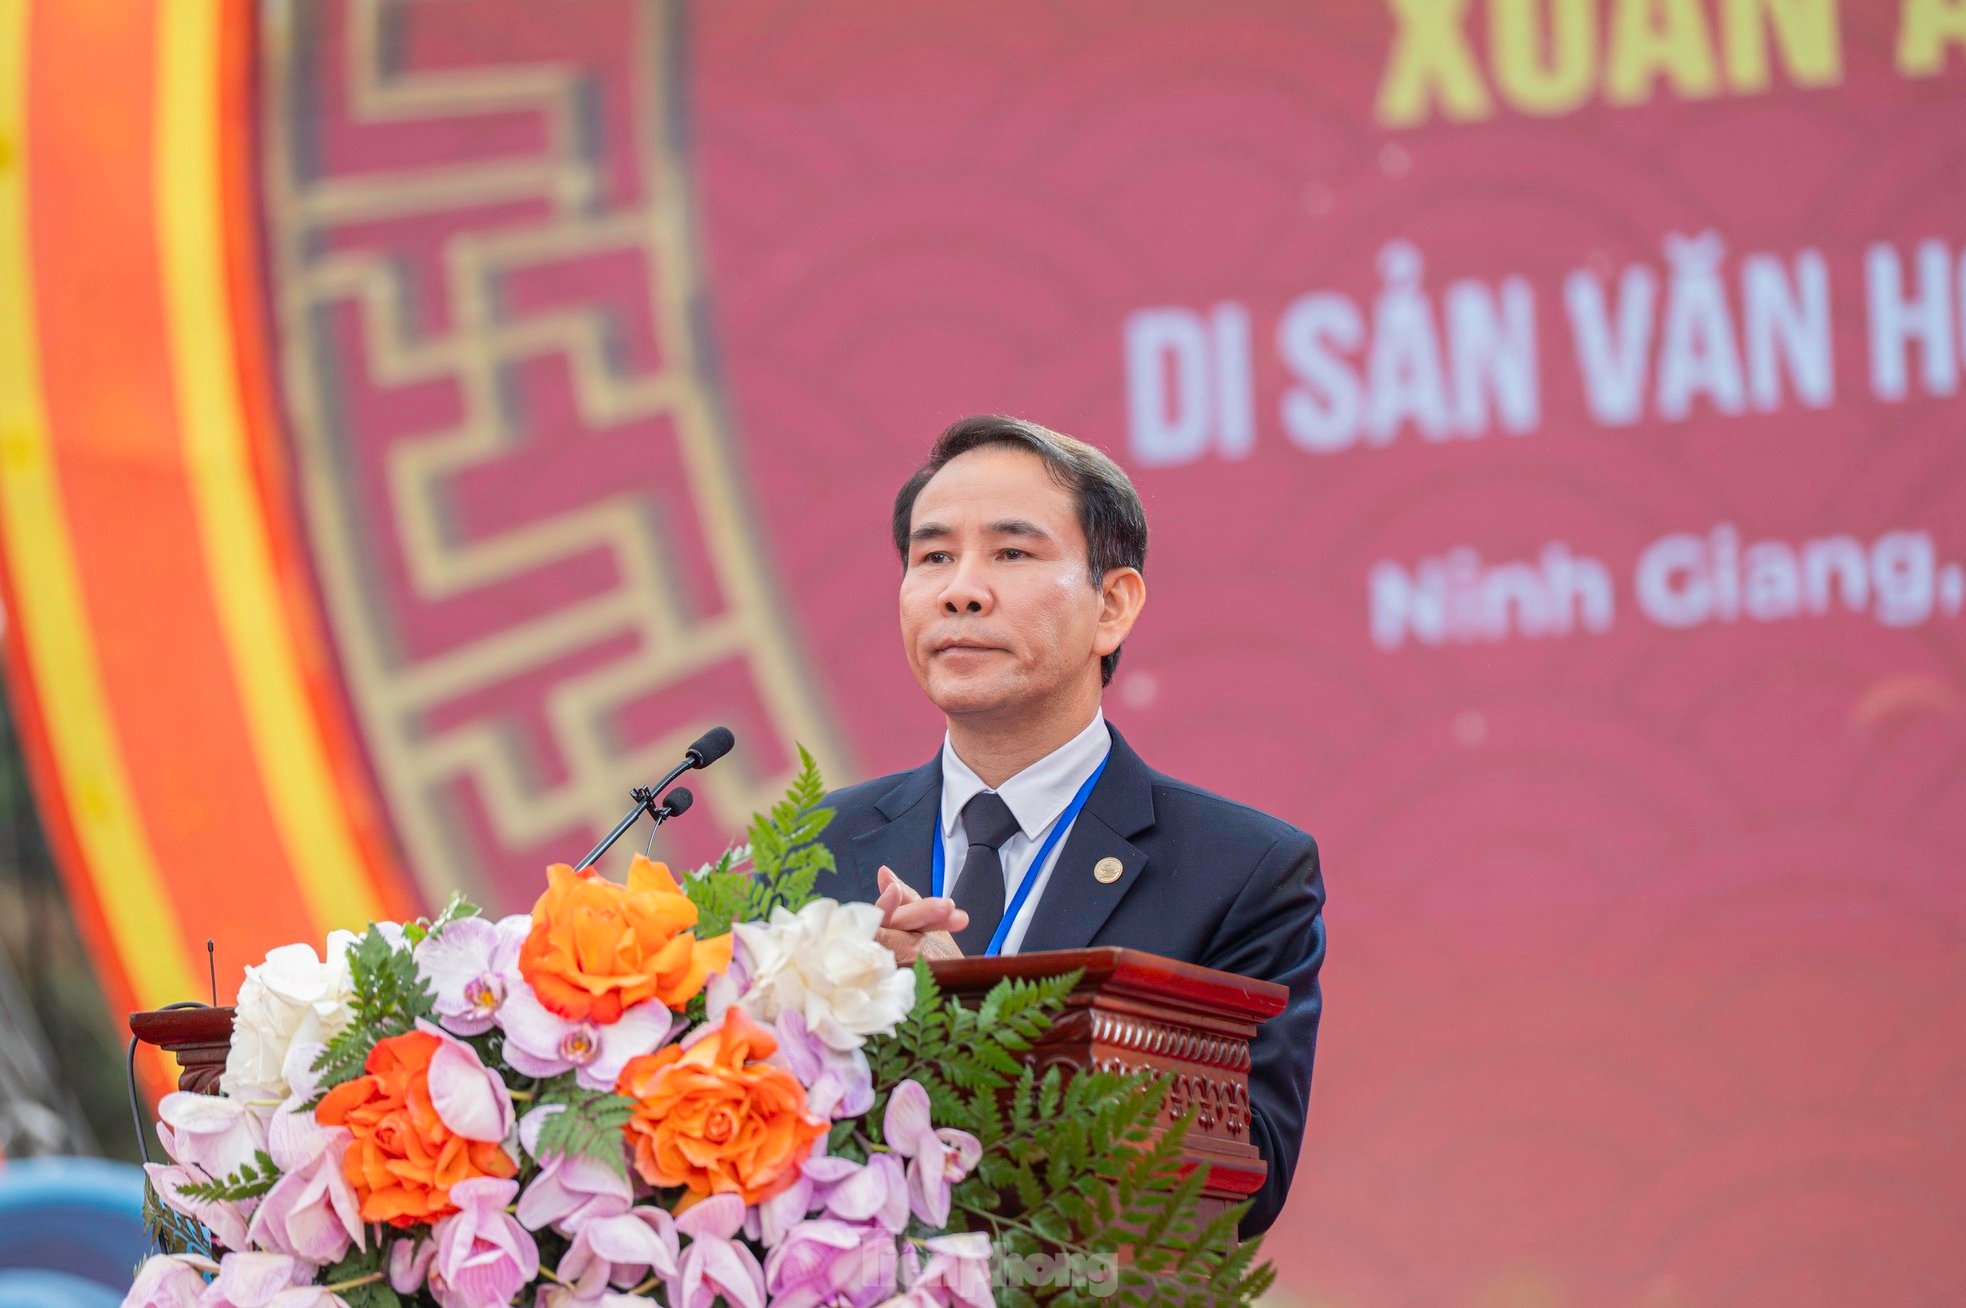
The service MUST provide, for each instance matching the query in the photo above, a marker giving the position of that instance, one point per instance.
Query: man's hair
(1110, 512)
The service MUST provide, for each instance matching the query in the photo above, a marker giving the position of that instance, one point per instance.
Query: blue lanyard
(938, 859)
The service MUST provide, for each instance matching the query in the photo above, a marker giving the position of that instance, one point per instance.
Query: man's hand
(911, 925)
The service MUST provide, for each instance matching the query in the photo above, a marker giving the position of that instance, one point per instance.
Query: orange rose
(597, 948)
(404, 1160)
(715, 1119)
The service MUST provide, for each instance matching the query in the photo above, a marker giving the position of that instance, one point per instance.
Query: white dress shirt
(1037, 798)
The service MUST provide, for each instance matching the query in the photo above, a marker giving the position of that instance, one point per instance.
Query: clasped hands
(914, 926)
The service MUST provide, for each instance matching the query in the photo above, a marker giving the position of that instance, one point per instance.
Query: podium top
(1110, 969)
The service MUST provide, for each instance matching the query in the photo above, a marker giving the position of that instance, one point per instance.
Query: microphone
(705, 750)
(702, 752)
(674, 804)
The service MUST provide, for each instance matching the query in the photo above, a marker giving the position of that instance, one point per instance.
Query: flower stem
(339, 1286)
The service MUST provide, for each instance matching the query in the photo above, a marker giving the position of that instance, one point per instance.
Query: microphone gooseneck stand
(707, 749)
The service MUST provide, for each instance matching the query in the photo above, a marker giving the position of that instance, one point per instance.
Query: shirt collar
(1038, 794)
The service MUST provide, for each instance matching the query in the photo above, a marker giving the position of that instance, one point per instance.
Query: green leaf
(963, 1058)
(169, 1229)
(841, 1143)
(456, 908)
(589, 1124)
(250, 1181)
(390, 996)
(1048, 1093)
(351, 1278)
(1076, 1164)
(778, 866)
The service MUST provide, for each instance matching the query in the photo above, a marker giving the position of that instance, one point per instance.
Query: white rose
(824, 962)
(290, 998)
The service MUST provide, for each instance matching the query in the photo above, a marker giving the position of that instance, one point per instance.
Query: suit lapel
(1076, 903)
(904, 843)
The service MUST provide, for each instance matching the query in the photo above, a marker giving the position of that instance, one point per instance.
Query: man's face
(998, 610)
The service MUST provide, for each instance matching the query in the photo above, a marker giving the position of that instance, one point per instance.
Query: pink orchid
(303, 1082)
(208, 1137)
(265, 1280)
(483, 1255)
(467, 1095)
(715, 1263)
(470, 967)
(875, 1191)
(768, 1222)
(838, 1081)
(211, 1134)
(825, 1262)
(169, 1281)
(225, 1220)
(937, 1158)
(957, 1275)
(570, 1190)
(621, 1250)
(541, 1043)
(311, 1213)
(409, 1264)
(728, 986)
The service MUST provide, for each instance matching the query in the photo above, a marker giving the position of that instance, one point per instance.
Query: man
(1022, 552)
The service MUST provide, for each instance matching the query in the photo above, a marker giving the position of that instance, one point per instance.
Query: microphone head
(711, 746)
(678, 801)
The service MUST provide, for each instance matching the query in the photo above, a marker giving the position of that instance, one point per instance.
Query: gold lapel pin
(1107, 870)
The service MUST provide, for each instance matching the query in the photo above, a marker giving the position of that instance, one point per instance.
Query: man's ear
(1122, 594)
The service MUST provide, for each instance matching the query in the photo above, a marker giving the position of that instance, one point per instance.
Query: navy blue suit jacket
(1205, 880)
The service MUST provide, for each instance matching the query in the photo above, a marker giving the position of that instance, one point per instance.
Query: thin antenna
(211, 964)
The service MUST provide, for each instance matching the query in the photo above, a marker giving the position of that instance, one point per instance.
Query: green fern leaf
(588, 1125)
(389, 998)
(170, 1230)
(251, 1180)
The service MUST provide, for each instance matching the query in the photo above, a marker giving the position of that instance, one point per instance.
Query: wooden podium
(1130, 1012)
(1134, 1011)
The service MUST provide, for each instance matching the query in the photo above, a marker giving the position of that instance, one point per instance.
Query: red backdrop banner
(1548, 423)
(1548, 415)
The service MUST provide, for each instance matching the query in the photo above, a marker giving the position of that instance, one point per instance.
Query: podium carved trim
(1163, 1040)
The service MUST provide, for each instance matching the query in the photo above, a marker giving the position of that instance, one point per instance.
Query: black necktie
(987, 823)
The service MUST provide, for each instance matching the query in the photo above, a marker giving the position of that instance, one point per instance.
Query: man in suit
(1022, 553)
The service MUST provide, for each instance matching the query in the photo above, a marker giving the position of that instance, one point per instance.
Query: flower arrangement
(718, 1090)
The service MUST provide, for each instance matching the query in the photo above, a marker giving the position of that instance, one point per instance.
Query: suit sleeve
(1274, 931)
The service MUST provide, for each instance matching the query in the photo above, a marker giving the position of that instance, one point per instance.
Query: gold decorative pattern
(449, 717)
